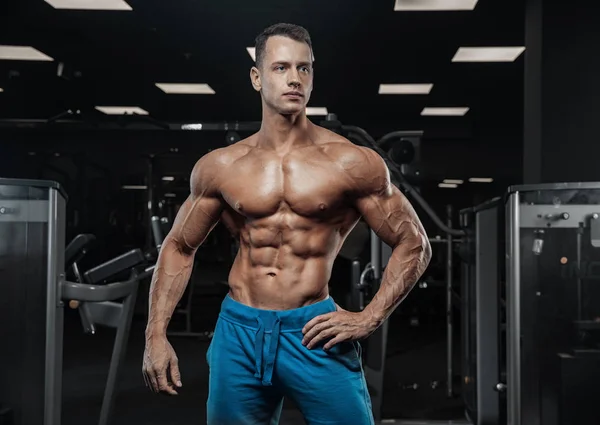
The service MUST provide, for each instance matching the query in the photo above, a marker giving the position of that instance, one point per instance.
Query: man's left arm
(391, 216)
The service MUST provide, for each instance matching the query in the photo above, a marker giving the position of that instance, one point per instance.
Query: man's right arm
(198, 215)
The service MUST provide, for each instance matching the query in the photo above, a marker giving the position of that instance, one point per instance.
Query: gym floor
(416, 355)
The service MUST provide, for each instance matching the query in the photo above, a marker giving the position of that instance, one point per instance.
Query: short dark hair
(295, 32)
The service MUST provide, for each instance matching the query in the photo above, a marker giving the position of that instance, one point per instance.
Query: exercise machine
(531, 311)
(553, 304)
(33, 261)
(102, 308)
(483, 314)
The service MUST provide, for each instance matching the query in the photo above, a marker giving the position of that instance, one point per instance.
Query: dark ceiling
(358, 45)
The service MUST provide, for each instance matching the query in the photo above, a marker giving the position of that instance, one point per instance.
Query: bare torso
(291, 212)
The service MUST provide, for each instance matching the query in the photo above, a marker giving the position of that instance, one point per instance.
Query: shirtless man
(291, 193)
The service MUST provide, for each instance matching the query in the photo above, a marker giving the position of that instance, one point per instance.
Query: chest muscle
(310, 187)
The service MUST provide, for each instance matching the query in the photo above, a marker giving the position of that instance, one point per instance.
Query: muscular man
(291, 193)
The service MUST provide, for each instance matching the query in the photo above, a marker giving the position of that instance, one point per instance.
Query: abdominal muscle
(283, 268)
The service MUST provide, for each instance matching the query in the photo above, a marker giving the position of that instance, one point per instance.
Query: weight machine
(33, 260)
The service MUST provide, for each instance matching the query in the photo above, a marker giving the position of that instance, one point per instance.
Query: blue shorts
(256, 358)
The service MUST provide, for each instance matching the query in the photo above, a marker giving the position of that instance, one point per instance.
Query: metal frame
(54, 309)
(513, 302)
(486, 316)
(449, 315)
(104, 311)
(552, 186)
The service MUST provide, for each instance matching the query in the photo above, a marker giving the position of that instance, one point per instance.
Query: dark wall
(562, 92)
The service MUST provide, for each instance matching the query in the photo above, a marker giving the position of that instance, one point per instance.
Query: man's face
(285, 78)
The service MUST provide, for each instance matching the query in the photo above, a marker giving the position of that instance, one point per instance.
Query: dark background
(50, 129)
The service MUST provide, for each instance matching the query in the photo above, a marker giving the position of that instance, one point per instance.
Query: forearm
(407, 264)
(171, 276)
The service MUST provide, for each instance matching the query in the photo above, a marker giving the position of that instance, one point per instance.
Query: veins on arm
(391, 216)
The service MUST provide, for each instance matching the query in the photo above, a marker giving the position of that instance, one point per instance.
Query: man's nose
(294, 79)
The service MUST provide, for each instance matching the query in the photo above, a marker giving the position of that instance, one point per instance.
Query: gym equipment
(481, 270)
(33, 260)
(553, 304)
(95, 301)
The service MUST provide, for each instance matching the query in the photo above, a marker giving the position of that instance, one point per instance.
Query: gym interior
(481, 109)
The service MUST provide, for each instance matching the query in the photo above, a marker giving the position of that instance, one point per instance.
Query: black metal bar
(449, 315)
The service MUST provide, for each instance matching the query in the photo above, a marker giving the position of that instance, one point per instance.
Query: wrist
(372, 319)
(156, 332)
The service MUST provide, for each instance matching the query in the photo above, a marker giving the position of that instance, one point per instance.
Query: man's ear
(255, 78)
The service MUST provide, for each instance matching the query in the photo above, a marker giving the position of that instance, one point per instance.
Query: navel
(322, 207)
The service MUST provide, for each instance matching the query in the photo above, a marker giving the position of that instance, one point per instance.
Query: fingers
(316, 321)
(157, 381)
(175, 375)
(328, 333)
(150, 380)
(335, 341)
(164, 385)
(315, 331)
(146, 380)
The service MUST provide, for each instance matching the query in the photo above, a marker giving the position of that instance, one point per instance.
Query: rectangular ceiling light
(177, 88)
(22, 53)
(135, 187)
(447, 186)
(481, 180)
(89, 4)
(168, 179)
(433, 5)
(444, 112)
(1, 89)
(452, 181)
(405, 88)
(252, 52)
(311, 110)
(487, 54)
(121, 110)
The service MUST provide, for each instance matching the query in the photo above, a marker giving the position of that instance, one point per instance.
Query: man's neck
(284, 132)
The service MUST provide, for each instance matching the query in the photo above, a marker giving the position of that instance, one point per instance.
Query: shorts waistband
(289, 320)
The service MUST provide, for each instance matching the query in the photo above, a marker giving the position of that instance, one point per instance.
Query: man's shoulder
(209, 168)
(226, 155)
(347, 154)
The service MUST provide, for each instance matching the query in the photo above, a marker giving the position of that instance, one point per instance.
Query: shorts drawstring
(274, 327)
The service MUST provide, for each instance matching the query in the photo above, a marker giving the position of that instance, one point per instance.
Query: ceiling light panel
(447, 186)
(445, 112)
(453, 181)
(134, 187)
(89, 4)
(487, 54)
(122, 110)
(405, 88)
(433, 5)
(177, 88)
(481, 180)
(22, 53)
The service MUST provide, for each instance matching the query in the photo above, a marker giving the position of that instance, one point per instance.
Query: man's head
(284, 72)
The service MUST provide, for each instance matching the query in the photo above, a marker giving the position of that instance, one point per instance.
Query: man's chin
(292, 110)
